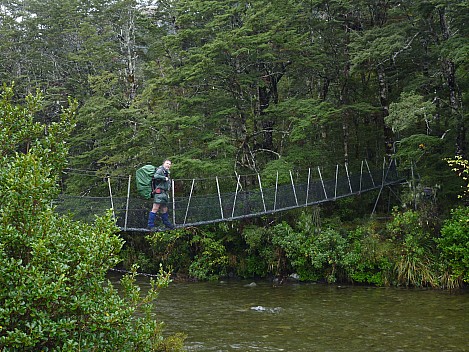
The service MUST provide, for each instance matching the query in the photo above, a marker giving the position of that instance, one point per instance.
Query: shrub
(368, 259)
(54, 295)
(328, 253)
(454, 245)
(211, 260)
(296, 245)
(415, 258)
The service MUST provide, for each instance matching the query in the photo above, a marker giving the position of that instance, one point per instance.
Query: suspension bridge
(206, 201)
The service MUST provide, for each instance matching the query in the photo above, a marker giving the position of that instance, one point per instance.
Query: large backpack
(144, 178)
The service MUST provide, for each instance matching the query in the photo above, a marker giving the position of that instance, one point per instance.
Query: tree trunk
(267, 94)
(383, 97)
(127, 43)
(267, 125)
(450, 76)
(344, 100)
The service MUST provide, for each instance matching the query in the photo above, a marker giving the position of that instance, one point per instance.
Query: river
(242, 316)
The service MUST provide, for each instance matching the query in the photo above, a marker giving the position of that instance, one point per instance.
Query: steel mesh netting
(248, 198)
(82, 208)
(200, 209)
(85, 209)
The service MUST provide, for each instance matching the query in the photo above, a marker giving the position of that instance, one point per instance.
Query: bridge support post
(369, 171)
(322, 182)
(110, 196)
(361, 177)
(382, 186)
(307, 187)
(262, 192)
(189, 201)
(276, 190)
(348, 177)
(336, 177)
(293, 187)
(219, 198)
(127, 203)
(236, 194)
(384, 172)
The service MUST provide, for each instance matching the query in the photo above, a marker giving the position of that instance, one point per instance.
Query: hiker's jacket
(159, 179)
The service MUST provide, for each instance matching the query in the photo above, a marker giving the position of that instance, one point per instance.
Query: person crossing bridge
(161, 185)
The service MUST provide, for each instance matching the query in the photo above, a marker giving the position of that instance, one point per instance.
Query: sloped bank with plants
(416, 245)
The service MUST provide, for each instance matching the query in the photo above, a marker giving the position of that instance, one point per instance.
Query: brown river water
(240, 316)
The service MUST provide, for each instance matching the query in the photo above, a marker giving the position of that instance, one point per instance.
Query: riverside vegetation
(410, 249)
(54, 295)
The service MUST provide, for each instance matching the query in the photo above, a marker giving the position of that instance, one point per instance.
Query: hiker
(161, 185)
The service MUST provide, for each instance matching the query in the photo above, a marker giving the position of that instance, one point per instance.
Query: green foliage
(171, 248)
(261, 257)
(252, 266)
(369, 258)
(306, 250)
(328, 252)
(425, 156)
(454, 240)
(461, 167)
(132, 254)
(223, 86)
(400, 252)
(295, 246)
(376, 44)
(211, 260)
(419, 148)
(409, 112)
(54, 295)
(454, 244)
(236, 86)
(269, 174)
(415, 253)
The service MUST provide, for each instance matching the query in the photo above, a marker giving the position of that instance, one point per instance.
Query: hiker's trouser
(161, 198)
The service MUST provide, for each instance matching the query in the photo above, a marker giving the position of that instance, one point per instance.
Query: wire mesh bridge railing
(205, 201)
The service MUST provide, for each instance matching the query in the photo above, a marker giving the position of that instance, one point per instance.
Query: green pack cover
(143, 178)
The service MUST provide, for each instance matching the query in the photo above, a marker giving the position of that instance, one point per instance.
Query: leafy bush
(211, 261)
(454, 244)
(313, 253)
(296, 244)
(461, 167)
(415, 250)
(54, 295)
(328, 253)
(172, 248)
(259, 245)
(368, 259)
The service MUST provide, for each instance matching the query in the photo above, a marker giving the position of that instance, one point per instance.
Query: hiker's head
(167, 164)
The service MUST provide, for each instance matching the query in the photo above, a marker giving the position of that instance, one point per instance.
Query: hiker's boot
(151, 220)
(166, 222)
